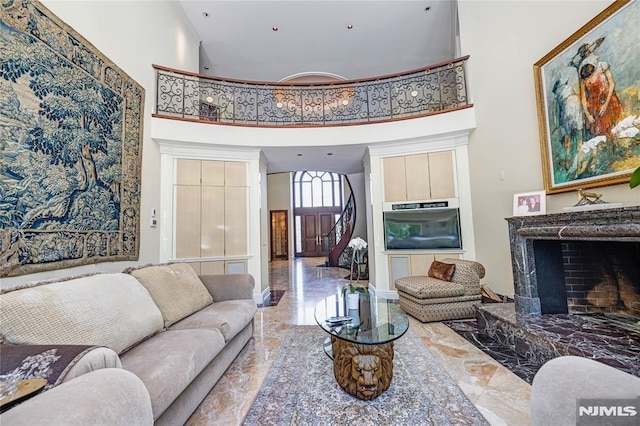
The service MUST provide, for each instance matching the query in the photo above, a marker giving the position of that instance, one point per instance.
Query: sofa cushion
(111, 310)
(175, 288)
(229, 317)
(424, 287)
(442, 271)
(168, 362)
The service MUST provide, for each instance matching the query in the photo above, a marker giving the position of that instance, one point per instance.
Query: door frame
(272, 214)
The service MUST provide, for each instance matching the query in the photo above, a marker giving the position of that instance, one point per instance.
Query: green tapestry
(70, 147)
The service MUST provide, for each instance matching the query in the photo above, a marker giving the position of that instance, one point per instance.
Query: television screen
(422, 229)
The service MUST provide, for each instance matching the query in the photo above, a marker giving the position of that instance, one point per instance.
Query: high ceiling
(238, 41)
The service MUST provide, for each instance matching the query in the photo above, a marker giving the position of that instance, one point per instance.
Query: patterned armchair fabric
(430, 299)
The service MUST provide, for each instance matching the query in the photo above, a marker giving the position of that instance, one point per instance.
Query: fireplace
(578, 262)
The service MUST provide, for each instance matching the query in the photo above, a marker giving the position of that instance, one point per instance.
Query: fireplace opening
(588, 277)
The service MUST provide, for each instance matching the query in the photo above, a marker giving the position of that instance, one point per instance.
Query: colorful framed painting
(529, 203)
(588, 96)
(71, 128)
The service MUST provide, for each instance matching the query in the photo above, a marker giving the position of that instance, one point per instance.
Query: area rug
(300, 389)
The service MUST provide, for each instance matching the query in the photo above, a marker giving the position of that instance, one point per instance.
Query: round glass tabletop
(372, 321)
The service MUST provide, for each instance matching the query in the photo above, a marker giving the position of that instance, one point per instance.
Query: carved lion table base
(364, 371)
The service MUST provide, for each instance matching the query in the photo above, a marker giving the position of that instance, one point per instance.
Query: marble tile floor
(501, 396)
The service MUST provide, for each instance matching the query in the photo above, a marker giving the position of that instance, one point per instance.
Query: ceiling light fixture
(206, 67)
(329, 153)
(205, 14)
(349, 27)
(274, 28)
(299, 155)
(426, 9)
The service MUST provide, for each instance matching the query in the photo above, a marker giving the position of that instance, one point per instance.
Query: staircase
(337, 239)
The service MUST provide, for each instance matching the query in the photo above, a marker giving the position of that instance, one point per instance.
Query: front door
(314, 226)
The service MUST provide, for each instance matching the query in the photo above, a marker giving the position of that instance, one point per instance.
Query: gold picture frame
(588, 99)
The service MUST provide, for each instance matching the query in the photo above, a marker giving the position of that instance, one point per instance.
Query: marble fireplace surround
(534, 239)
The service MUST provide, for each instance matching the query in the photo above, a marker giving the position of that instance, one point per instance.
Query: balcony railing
(434, 89)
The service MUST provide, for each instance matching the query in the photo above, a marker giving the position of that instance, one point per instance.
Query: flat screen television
(424, 229)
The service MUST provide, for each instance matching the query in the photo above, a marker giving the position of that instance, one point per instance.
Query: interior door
(279, 235)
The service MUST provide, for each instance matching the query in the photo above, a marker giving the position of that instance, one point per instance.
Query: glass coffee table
(361, 340)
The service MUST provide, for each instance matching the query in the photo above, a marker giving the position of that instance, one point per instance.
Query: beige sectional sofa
(164, 337)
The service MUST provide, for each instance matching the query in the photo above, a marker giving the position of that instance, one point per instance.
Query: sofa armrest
(95, 359)
(229, 286)
(110, 396)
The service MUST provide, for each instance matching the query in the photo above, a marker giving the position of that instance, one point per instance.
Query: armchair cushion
(422, 287)
(442, 271)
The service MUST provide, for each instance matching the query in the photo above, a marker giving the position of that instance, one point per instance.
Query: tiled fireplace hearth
(577, 289)
(578, 262)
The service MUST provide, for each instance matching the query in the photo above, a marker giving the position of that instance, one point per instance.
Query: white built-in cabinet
(210, 215)
(422, 176)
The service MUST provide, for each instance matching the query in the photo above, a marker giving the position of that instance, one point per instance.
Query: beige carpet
(300, 389)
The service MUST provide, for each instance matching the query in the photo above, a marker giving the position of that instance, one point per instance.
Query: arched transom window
(317, 189)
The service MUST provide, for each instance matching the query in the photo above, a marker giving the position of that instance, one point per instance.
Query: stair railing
(337, 239)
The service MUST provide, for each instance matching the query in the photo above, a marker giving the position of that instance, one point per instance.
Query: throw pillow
(442, 271)
(175, 288)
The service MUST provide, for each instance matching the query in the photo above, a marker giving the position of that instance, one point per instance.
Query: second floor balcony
(430, 90)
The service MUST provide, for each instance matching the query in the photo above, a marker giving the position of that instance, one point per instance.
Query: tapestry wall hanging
(70, 147)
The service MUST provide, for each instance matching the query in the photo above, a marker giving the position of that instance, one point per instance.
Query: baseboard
(261, 299)
(387, 294)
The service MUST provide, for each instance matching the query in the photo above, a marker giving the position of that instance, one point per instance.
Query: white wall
(504, 39)
(134, 35)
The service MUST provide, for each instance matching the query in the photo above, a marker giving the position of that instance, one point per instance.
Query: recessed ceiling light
(349, 27)
(205, 14)
(426, 9)
(299, 155)
(329, 153)
(274, 28)
(206, 67)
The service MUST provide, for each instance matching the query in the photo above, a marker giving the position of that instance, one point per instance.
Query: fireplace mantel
(620, 224)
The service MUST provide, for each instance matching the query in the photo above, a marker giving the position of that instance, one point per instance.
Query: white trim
(261, 298)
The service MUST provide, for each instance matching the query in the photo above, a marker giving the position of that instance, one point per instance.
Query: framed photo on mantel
(530, 203)
(588, 96)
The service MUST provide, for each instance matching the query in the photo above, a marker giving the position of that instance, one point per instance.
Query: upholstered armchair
(453, 295)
